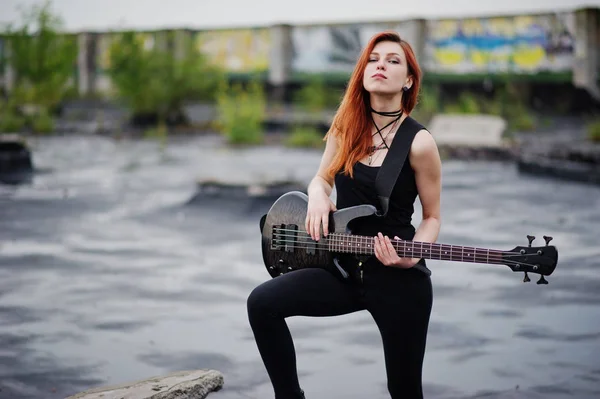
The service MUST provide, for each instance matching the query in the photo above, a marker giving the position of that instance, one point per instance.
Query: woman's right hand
(319, 207)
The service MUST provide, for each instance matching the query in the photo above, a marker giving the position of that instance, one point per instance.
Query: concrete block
(468, 130)
(193, 384)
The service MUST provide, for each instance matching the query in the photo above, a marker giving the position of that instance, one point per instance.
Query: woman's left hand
(387, 255)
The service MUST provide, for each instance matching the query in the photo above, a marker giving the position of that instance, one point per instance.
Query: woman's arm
(323, 181)
(425, 160)
(319, 190)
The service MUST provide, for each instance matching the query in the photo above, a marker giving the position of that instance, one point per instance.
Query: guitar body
(287, 247)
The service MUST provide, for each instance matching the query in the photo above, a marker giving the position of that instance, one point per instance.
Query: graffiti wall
(523, 44)
(318, 49)
(239, 50)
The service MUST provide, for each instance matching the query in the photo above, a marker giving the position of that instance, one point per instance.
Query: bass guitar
(286, 246)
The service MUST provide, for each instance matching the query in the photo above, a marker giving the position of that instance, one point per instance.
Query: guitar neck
(364, 245)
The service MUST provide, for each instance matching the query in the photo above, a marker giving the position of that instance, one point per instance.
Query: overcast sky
(152, 14)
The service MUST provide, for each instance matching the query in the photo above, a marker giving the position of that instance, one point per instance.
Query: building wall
(335, 48)
(529, 45)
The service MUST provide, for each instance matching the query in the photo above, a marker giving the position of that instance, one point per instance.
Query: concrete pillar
(280, 60)
(419, 39)
(92, 63)
(183, 41)
(102, 83)
(83, 68)
(9, 72)
(586, 63)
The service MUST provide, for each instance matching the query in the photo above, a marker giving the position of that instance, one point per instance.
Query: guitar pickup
(290, 234)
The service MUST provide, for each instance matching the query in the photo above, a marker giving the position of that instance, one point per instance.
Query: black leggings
(399, 300)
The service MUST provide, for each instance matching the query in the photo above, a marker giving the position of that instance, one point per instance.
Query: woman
(396, 291)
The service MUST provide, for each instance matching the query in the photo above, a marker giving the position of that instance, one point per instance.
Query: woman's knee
(259, 302)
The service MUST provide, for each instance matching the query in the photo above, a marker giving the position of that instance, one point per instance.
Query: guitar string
(337, 240)
(495, 261)
(433, 246)
(434, 252)
(435, 255)
(472, 260)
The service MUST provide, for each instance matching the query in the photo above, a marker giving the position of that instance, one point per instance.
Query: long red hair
(352, 120)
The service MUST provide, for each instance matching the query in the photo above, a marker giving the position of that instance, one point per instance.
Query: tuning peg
(530, 238)
(526, 279)
(547, 239)
(542, 280)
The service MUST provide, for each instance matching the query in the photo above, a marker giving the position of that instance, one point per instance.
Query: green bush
(10, 122)
(42, 122)
(593, 131)
(522, 121)
(506, 103)
(428, 104)
(305, 136)
(316, 96)
(157, 81)
(466, 103)
(43, 59)
(241, 113)
(312, 96)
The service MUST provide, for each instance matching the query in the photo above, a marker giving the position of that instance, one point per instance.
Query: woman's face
(386, 72)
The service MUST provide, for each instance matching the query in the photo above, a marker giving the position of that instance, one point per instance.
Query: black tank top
(361, 190)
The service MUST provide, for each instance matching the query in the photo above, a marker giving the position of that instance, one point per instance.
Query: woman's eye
(394, 61)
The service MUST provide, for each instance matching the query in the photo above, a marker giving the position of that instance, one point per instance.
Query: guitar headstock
(528, 259)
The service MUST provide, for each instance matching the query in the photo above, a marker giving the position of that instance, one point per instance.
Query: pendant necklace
(383, 144)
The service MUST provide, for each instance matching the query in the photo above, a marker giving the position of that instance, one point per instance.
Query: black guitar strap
(394, 160)
(392, 166)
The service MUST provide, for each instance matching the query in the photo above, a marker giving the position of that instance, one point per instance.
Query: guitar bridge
(284, 237)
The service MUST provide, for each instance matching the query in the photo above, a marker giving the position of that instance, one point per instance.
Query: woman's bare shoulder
(424, 144)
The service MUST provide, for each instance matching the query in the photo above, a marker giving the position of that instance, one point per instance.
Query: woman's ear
(408, 84)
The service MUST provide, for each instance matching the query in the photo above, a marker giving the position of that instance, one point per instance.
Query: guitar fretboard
(364, 245)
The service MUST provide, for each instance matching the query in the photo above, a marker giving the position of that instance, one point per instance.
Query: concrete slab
(193, 384)
(468, 130)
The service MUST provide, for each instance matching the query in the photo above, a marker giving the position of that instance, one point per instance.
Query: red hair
(352, 119)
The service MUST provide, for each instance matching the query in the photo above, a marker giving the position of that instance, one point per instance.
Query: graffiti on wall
(318, 49)
(240, 50)
(515, 44)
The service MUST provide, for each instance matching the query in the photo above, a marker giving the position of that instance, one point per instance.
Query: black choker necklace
(388, 113)
(397, 115)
